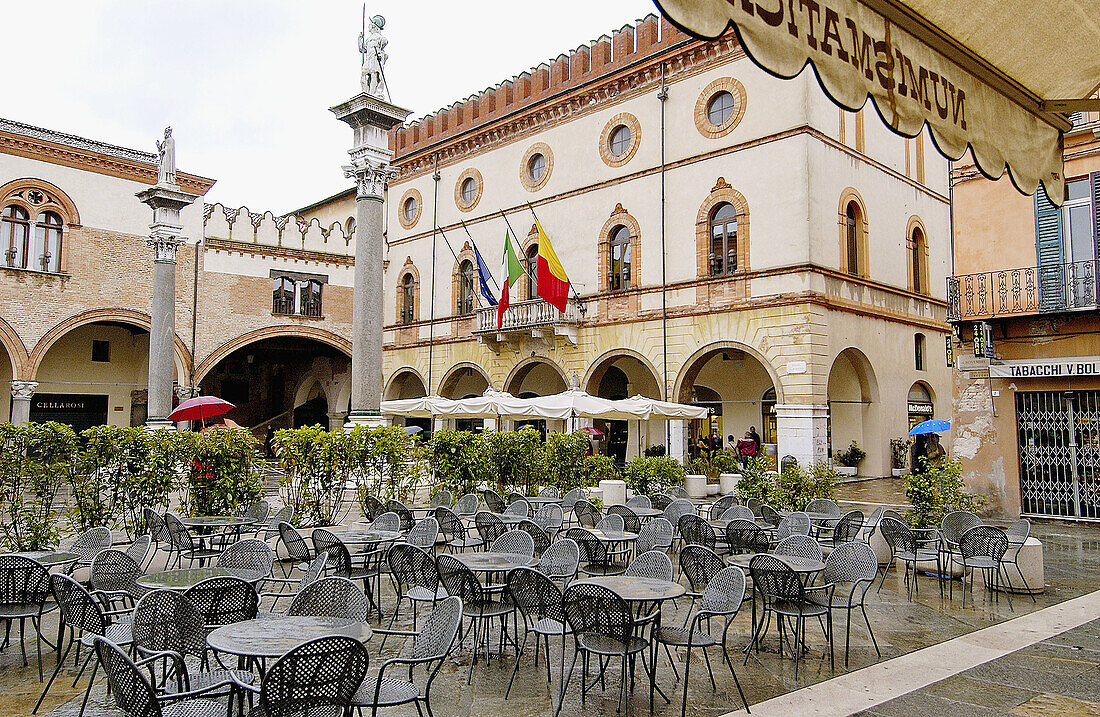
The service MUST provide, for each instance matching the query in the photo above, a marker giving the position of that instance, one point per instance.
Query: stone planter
(614, 492)
(594, 493)
(696, 486)
(712, 489)
(728, 482)
(898, 472)
(846, 470)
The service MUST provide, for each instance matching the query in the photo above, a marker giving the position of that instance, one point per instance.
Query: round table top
(637, 589)
(185, 578)
(490, 562)
(819, 517)
(368, 535)
(543, 500)
(217, 521)
(511, 519)
(799, 565)
(646, 512)
(273, 637)
(613, 536)
(50, 558)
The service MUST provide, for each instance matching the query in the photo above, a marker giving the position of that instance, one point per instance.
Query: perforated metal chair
(678, 492)
(983, 548)
(271, 527)
(139, 549)
(561, 560)
(466, 505)
(539, 602)
(677, 509)
(156, 528)
(656, 534)
(405, 518)
(631, 522)
(481, 605)
(493, 501)
(415, 578)
(391, 521)
(331, 597)
(224, 600)
(519, 508)
(755, 505)
(250, 559)
(799, 546)
(734, 512)
(541, 538)
(312, 573)
(660, 501)
(569, 500)
(595, 556)
(639, 501)
(550, 518)
(797, 523)
(89, 544)
(720, 506)
(372, 507)
(586, 514)
(441, 498)
(613, 523)
(341, 565)
(549, 491)
(489, 526)
(24, 587)
(769, 515)
(783, 594)
(845, 530)
(651, 564)
(515, 497)
(745, 536)
(698, 564)
(113, 575)
(1017, 535)
(852, 568)
(297, 549)
(424, 534)
(516, 541)
(696, 531)
(454, 530)
(186, 545)
(824, 506)
(258, 511)
(904, 547)
(952, 528)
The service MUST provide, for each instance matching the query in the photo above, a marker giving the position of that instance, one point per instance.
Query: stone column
(803, 432)
(336, 420)
(21, 394)
(166, 201)
(371, 118)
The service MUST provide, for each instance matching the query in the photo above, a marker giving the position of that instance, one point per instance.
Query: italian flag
(553, 284)
(511, 271)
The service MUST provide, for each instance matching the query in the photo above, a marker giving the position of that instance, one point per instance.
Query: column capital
(185, 392)
(164, 247)
(371, 176)
(23, 390)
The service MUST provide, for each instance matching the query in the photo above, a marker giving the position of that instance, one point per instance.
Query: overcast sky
(247, 85)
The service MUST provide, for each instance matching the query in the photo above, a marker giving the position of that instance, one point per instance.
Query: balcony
(1019, 292)
(528, 321)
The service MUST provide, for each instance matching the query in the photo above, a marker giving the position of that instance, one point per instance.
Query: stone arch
(914, 225)
(848, 196)
(302, 332)
(865, 372)
(855, 411)
(127, 316)
(721, 193)
(685, 374)
(609, 356)
(407, 269)
(404, 372)
(620, 217)
(63, 201)
(451, 377)
(521, 369)
(16, 349)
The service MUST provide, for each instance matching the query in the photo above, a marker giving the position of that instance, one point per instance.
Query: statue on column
(373, 48)
(166, 159)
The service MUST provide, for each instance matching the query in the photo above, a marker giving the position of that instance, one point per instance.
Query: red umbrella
(200, 408)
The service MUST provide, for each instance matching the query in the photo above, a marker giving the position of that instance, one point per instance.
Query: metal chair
(631, 522)
(519, 508)
(604, 626)
(224, 600)
(24, 587)
(516, 541)
(297, 549)
(391, 521)
(550, 518)
(613, 523)
(1017, 535)
(799, 546)
(699, 564)
(541, 538)
(405, 518)
(310, 575)
(89, 544)
(852, 563)
(342, 566)
(677, 509)
(424, 534)
(415, 578)
(430, 648)
(678, 492)
(744, 536)
(755, 505)
(442, 498)
(283, 515)
(586, 514)
(549, 491)
(845, 530)
(569, 500)
(135, 695)
(720, 506)
(113, 575)
(769, 515)
(696, 531)
(824, 506)
(259, 511)
(904, 547)
(372, 507)
(871, 523)
(660, 501)
(185, 545)
(595, 556)
(332, 597)
(493, 501)
(639, 501)
(489, 526)
(656, 534)
(561, 560)
(480, 604)
(651, 564)
(737, 511)
(952, 527)
(317, 677)
(454, 530)
(515, 497)
(466, 505)
(797, 523)
(983, 548)
(722, 598)
(139, 549)
(156, 528)
(539, 602)
(783, 594)
(250, 559)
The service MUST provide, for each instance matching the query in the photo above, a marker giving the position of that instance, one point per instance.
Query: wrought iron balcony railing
(1029, 290)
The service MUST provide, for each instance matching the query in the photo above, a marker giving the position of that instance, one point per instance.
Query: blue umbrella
(936, 425)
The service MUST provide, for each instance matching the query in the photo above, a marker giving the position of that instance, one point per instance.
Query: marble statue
(166, 159)
(373, 48)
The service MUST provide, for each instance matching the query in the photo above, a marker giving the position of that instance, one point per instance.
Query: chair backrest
(535, 594)
(283, 515)
(614, 523)
(725, 592)
(592, 549)
(91, 542)
(587, 515)
(872, 520)
(549, 491)
(656, 533)
(737, 511)
(696, 531)
(450, 524)
(139, 548)
(441, 497)
(955, 524)
(719, 506)
(890, 513)
(515, 496)
(412, 566)
(437, 637)
(493, 501)
(985, 541)
(460, 581)
(826, 506)
(131, 688)
(1019, 532)
(561, 559)
(372, 507)
(394, 519)
(165, 620)
(755, 505)
(897, 535)
(154, 525)
(466, 505)
(489, 526)
(745, 536)
(296, 546)
(224, 600)
(660, 501)
(851, 562)
(314, 571)
(113, 569)
(22, 581)
(596, 610)
(639, 501)
(651, 564)
(540, 537)
(678, 491)
(514, 541)
(699, 564)
(339, 559)
(550, 517)
(848, 527)
(79, 610)
(258, 511)
(569, 500)
(331, 597)
(677, 509)
(631, 522)
(250, 558)
(797, 523)
(324, 672)
(178, 534)
(774, 580)
(799, 546)
(769, 515)
(519, 507)
(424, 533)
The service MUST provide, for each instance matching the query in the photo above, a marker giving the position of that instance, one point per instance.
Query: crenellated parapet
(287, 231)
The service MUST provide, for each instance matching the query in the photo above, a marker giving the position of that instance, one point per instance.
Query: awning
(560, 406)
(990, 74)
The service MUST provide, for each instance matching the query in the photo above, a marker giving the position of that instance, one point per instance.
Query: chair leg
(687, 669)
(53, 677)
(518, 656)
(872, 632)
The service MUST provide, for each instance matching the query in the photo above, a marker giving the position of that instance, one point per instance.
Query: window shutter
(1095, 177)
(1048, 246)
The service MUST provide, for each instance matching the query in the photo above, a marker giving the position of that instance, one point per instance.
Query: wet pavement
(1072, 553)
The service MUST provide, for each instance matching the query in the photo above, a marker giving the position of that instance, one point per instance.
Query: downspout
(195, 313)
(435, 229)
(662, 96)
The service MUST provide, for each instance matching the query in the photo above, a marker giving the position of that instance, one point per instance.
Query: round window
(619, 142)
(720, 108)
(410, 209)
(536, 166)
(469, 190)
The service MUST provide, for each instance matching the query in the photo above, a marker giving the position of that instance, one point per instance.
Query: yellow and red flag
(553, 283)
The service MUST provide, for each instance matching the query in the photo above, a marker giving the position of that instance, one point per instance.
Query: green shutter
(1048, 246)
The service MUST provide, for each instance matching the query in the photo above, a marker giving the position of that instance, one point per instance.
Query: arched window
(14, 236)
(918, 260)
(619, 256)
(532, 271)
(723, 240)
(311, 298)
(918, 351)
(46, 250)
(852, 220)
(466, 278)
(349, 227)
(282, 300)
(408, 299)
(768, 422)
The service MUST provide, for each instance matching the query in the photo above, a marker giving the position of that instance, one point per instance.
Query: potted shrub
(847, 461)
(35, 460)
(757, 480)
(899, 455)
(647, 475)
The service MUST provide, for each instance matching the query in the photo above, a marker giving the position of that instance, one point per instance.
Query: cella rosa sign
(1047, 368)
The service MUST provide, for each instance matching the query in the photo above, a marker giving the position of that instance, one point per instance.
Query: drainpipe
(195, 314)
(435, 229)
(662, 97)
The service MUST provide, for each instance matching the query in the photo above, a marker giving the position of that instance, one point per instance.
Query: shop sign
(1048, 368)
(923, 409)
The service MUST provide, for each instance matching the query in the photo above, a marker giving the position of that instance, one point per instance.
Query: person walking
(747, 449)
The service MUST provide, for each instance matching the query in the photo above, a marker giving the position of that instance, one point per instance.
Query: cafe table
(634, 588)
(272, 636)
(186, 578)
(51, 558)
(490, 562)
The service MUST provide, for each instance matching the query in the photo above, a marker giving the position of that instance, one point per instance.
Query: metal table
(51, 558)
(637, 589)
(799, 565)
(217, 521)
(368, 536)
(644, 513)
(543, 500)
(273, 637)
(613, 536)
(490, 562)
(185, 578)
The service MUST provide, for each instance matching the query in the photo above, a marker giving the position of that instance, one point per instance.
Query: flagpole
(478, 251)
(523, 257)
(576, 296)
